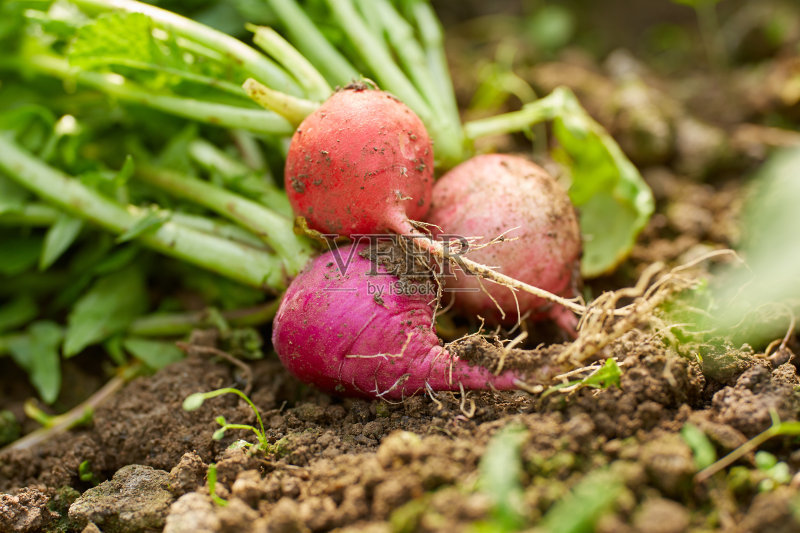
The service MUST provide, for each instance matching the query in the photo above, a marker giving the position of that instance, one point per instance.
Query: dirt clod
(135, 499)
(25, 511)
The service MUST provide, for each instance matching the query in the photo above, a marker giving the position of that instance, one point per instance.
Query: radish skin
(498, 194)
(334, 330)
(361, 163)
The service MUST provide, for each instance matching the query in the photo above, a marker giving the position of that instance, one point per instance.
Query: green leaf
(614, 201)
(194, 401)
(702, 449)
(155, 354)
(118, 38)
(18, 312)
(58, 239)
(594, 495)
(37, 352)
(108, 307)
(500, 473)
(19, 254)
(153, 220)
(605, 376)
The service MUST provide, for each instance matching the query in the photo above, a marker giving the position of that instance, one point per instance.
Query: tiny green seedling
(212, 486)
(194, 401)
(702, 449)
(85, 473)
(775, 472)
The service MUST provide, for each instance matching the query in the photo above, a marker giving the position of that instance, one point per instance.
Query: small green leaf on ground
(579, 511)
(153, 353)
(602, 378)
(702, 449)
(58, 239)
(108, 307)
(500, 478)
(37, 352)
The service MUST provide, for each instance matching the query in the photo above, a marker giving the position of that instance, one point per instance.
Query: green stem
(217, 228)
(175, 324)
(289, 107)
(746, 448)
(313, 44)
(199, 79)
(30, 215)
(256, 120)
(213, 159)
(77, 414)
(430, 30)
(239, 177)
(305, 73)
(251, 153)
(408, 50)
(446, 126)
(377, 56)
(259, 66)
(543, 109)
(233, 260)
(274, 229)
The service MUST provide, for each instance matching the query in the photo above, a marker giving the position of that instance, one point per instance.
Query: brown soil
(356, 465)
(411, 466)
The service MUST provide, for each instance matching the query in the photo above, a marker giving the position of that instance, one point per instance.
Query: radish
(350, 328)
(362, 163)
(497, 194)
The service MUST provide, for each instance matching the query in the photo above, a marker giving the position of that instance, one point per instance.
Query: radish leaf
(58, 239)
(108, 307)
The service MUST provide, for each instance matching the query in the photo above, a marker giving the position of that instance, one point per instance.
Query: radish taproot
(498, 194)
(362, 163)
(349, 327)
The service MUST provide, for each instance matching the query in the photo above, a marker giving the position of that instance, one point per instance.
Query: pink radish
(362, 163)
(486, 197)
(351, 331)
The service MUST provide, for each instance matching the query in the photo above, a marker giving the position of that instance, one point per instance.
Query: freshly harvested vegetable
(349, 327)
(496, 194)
(361, 163)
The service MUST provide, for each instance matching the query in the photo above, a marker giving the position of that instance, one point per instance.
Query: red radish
(361, 163)
(489, 195)
(352, 331)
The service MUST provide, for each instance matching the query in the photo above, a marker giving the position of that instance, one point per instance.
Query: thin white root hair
(507, 349)
(462, 406)
(385, 355)
(601, 325)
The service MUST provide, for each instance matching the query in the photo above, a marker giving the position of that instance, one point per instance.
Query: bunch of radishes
(362, 164)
